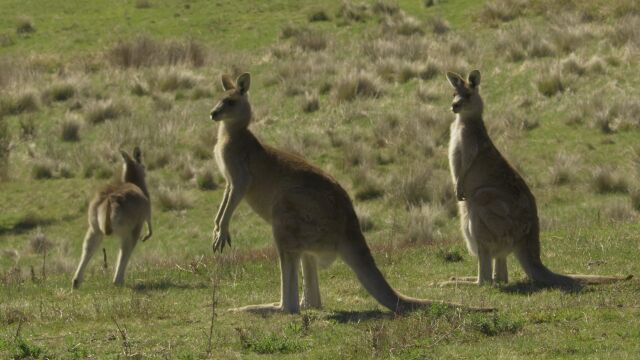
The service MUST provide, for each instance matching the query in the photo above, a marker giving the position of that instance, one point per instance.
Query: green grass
(371, 145)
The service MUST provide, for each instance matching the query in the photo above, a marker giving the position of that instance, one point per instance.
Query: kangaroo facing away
(121, 210)
(311, 215)
(498, 211)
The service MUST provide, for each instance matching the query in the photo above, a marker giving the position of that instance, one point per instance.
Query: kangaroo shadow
(527, 288)
(348, 317)
(164, 284)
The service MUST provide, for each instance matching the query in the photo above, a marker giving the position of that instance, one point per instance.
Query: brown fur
(497, 209)
(311, 215)
(120, 209)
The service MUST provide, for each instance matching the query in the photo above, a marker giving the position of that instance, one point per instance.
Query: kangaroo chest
(463, 148)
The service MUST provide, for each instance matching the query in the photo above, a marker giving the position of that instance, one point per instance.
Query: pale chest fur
(463, 148)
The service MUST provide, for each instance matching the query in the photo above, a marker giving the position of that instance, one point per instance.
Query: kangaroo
(120, 209)
(312, 217)
(498, 211)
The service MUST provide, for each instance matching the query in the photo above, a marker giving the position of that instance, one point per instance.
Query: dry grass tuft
(564, 169)
(352, 12)
(61, 91)
(144, 52)
(70, 129)
(206, 180)
(39, 243)
(606, 180)
(311, 103)
(424, 223)
(357, 85)
(170, 199)
(5, 149)
(498, 11)
(24, 25)
(572, 65)
(550, 84)
(318, 15)
(43, 169)
(143, 4)
(174, 79)
(101, 111)
(24, 102)
(618, 211)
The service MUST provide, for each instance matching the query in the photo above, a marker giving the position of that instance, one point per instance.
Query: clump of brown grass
(162, 103)
(144, 51)
(205, 180)
(39, 243)
(70, 129)
(24, 25)
(318, 15)
(424, 223)
(402, 24)
(550, 84)
(26, 101)
(6, 40)
(626, 32)
(498, 11)
(43, 169)
(175, 79)
(605, 180)
(572, 65)
(143, 4)
(60, 91)
(352, 12)
(311, 102)
(5, 149)
(170, 199)
(564, 169)
(303, 38)
(618, 211)
(356, 85)
(101, 111)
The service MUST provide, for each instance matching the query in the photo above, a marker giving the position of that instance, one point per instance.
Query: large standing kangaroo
(498, 211)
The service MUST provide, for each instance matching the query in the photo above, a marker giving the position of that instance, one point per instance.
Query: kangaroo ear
(227, 83)
(244, 82)
(474, 78)
(125, 157)
(137, 154)
(455, 80)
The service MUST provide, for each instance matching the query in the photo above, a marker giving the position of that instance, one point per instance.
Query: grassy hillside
(358, 89)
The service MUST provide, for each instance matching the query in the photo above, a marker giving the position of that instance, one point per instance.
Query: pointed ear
(244, 82)
(137, 154)
(227, 83)
(474, 78)
(125, 157)
(455, 80)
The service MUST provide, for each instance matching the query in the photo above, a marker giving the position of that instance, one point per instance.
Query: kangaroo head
(466, 98)
(132, 168)
(234, 108)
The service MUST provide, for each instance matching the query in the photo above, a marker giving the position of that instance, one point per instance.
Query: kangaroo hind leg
(92, 240)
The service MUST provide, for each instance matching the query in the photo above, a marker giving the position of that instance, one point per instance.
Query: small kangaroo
(120, 209)
(498, 211)
(311, 215)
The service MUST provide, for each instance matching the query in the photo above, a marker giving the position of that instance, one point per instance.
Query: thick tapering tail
(537, 272)
(104, 217)
(357, 255)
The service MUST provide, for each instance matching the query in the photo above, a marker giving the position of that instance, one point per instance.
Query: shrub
(70, 130)
(28, 128)
(42, 170)
(424, 223)
(173, 80)
(550, 84)
(311, 103)
(355, 85)
(101, 111)
(206, 180)
(572, 65)
(21, 103)
(318, 15)
(351, 12)
(173, 199)
(59, 92)
(144, 51)
(24, 25)
(564, 168)
(39, 243)
(607, 181)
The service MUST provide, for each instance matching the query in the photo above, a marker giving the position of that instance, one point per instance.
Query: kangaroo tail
(357, 255)
(529, 258)
(104, 217)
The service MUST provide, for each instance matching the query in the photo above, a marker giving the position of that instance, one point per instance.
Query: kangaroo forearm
(223, 205)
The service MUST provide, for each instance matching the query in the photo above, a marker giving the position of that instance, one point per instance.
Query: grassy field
(358, 89)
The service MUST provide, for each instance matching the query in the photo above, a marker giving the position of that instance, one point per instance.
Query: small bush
(564, 168)
(173, 199)
(311, 41)
(59, 92)
(102, 111)
(550, 84)
(448, 255)
(424, 223)
(21, 103)
(70, 130)
(39, 243)
(139, 89)
(24, 25)
(311, 103)
(42, 170)
(206, 180)
(351, 12)
(607, 181)
(383, 7)
(572, 65)
(319, 15)
(174, 80)
(143, 4)
(355, 85)
(493, 325)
